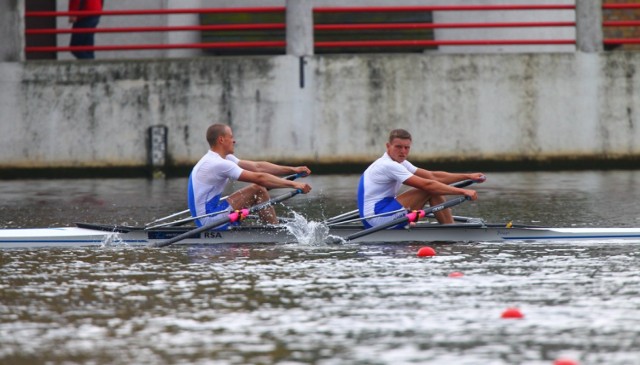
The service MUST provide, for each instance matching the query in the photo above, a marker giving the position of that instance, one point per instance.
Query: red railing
(435, 43)
(225, 27)
(440, 25)
(620, 6)
(273, 9)
(386, 9)
(621, 23)
(320, 29)
(147, 47)
(204, 45)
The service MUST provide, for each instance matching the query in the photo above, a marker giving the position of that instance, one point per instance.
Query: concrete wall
(497, 107)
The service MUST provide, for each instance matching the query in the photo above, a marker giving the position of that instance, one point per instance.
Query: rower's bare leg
(416, 199)
(250, 196)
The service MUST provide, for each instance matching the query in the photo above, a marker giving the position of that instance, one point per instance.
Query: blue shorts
(221, 206)
(383, 206)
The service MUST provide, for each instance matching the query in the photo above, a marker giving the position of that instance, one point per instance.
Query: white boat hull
(103, 235)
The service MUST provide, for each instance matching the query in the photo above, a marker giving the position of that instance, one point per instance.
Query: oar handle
(408, 217)
(463, 183)
(294, 176)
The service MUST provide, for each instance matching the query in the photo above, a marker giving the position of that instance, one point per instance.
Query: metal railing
(127, 47)
(622, 23)
(450, 25)
(331, 34)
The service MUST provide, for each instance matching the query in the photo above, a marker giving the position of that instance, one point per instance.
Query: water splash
(112, 239)
(310, 232)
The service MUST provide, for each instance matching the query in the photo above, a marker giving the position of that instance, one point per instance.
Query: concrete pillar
(12, 30)
(299, 27)
(183, 37)
(589, 26)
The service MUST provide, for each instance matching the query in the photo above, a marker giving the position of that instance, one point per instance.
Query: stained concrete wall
(497, 107)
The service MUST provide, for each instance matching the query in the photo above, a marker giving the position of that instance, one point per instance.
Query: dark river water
(319, 304)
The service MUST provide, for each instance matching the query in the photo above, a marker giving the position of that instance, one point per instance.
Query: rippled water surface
(314, 304)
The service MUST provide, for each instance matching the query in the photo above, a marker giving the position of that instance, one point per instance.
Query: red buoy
(565, 361)
(512, 313)
(426, 251)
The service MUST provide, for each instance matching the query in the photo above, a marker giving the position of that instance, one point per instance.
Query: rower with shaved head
(218, 166)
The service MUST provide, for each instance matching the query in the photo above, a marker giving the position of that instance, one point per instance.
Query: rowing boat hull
(105, 235)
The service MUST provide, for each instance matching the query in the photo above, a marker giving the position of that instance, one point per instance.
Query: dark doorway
(38, 40)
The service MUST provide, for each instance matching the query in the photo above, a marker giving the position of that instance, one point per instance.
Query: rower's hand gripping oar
(410, 217)
(233, 217)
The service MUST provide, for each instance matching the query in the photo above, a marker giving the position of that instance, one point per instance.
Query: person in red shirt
(84, 22)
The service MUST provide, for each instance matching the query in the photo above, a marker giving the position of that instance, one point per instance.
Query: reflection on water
(302, 304)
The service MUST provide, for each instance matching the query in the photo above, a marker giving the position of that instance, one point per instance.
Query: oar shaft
(185, 220)
(375, 229)
(369, 217)
(275, 200)
(168, 217)
(194, 232)
(348, 215)
(433, 209)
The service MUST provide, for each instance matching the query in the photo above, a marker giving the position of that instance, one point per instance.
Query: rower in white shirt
(218, 166)
(380, 183)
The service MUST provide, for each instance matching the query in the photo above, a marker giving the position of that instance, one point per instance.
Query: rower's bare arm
(272, 182)
(434, 187)
(273, 169)
(450, 178)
